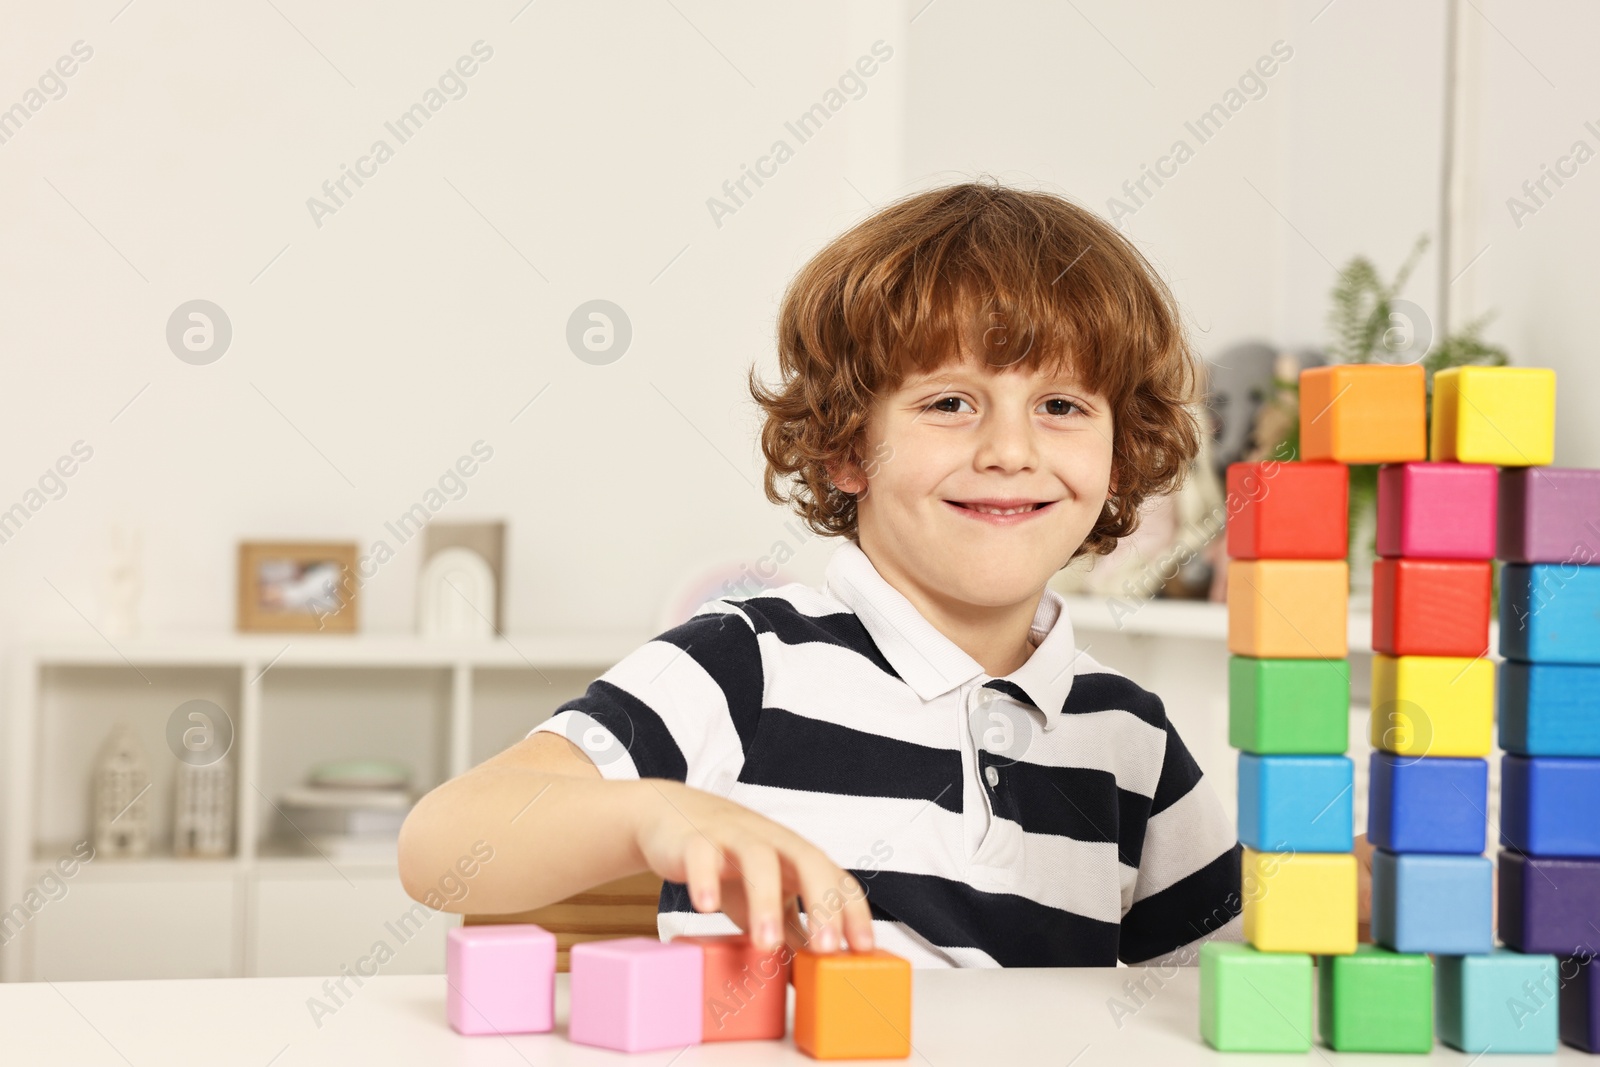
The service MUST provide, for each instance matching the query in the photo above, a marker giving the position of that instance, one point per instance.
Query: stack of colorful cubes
(1432, 721)
(1550, 730)
(1289, 715)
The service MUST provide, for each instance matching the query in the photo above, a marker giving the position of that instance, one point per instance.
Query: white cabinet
(138, 924)
(293, 701)
(308, 923)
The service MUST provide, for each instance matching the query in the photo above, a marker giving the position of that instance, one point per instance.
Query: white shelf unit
(268, 909)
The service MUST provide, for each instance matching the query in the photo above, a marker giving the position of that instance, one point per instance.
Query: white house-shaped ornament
(122, 796)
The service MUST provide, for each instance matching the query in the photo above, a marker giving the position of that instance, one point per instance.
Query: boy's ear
(847, 477)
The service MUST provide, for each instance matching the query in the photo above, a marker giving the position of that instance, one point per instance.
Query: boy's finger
(821, 883)
(702, 866)
(758, 865)
(858, 919)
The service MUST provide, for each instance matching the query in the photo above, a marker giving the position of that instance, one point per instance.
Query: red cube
(1288, 510)
(1430, 607)
(746, 990)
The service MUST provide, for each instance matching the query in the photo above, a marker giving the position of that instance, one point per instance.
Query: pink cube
(1437, 510)
(502, 979)
(634, 994)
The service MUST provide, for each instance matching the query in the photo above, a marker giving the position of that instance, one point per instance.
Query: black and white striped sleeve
(1187, 889)
(682, 706)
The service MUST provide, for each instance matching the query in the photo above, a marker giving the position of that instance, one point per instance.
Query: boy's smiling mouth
(998, 512)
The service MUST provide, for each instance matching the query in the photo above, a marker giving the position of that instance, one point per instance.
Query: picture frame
(297, 587)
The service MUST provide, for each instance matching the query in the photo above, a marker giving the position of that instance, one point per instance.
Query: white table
(1002, 1017)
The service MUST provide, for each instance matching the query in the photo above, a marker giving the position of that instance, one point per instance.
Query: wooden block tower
(1549, 540)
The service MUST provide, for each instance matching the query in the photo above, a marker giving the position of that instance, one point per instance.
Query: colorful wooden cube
(1437, 510)
(1253, 1001)
(634, 994)
(1375, 1000)
(1363, 413)
(500, 978)
(1431, 607)
(852, 1005)
(1295, 803)
(1432, 903)
(1500, 415)
(1550, 709)
(1289, 706)
(1547, 612)
(1299, 902)
(1432, 705)
(746, 989)
(1501, 1002)
(1288, 608)
(1427, 804)
(1288, 510)
(1580, 1001)
(1549, 904)
(1550, 805)
(1549, 515)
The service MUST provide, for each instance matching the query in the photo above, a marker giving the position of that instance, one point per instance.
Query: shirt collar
(933, 665)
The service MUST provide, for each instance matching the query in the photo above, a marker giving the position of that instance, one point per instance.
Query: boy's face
(980, 484)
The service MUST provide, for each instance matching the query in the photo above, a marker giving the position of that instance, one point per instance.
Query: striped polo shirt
(1052, 817)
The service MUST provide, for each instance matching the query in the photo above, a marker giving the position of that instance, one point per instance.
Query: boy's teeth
(1000, 511)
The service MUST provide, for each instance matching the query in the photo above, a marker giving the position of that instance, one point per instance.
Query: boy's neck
(995, 636)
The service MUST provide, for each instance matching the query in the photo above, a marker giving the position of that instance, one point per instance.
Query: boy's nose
(1006, 443)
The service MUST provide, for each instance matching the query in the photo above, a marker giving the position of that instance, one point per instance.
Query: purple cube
(1436, 510)
(1549, 515)
(502, 979)
(634, 994)
(1580, 1001)
(1549, 905)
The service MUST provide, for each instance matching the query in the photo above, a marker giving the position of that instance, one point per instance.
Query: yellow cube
(1288, 608)
(1505, 416)
(1300, 901)
(1432, 705)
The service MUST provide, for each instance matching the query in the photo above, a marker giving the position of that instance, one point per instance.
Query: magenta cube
(634, 994)
(502, 979)
(1437, 510)
(1550, 515)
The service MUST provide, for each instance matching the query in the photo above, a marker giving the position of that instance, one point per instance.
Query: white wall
(374, 350)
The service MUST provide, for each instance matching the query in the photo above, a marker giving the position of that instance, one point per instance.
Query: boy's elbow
(418, 849)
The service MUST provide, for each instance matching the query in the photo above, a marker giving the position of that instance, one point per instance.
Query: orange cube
(1288, 608)
(852, 1005)
(1364, 413)
(1431, 607)
(1288, 510)
(747, 990)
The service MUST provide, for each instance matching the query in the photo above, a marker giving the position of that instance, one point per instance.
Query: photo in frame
(297, 587)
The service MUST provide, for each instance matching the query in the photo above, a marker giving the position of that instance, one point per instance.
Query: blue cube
(1580, 1001)
(1296, 803)
(1550, 805)
(1547, 612)
(1502, 1002)
(1428, 803)
(1439, 904)
(1550, 709)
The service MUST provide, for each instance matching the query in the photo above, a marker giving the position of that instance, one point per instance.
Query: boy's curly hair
(1015, 277)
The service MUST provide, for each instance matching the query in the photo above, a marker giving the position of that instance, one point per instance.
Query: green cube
(1376, 1001)
(1253, 1001)
(1289, 707)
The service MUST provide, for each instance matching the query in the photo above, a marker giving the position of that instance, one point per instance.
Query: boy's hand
(744, 864)
(1363, 851)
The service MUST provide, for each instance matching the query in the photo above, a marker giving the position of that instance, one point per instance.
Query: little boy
(977, 385)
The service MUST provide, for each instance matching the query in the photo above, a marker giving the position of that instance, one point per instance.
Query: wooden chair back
(624, 908)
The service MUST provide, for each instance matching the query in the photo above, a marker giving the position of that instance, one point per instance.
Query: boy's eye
(951, 405)
(1058, 406)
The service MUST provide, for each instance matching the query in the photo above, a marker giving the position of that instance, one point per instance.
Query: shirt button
(991, 776)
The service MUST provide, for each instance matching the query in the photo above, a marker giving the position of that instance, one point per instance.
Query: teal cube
(1502, 1002)
(1252, 1001)
(1375, 1001)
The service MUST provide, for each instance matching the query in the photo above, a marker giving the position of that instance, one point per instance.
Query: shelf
(575, 650)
